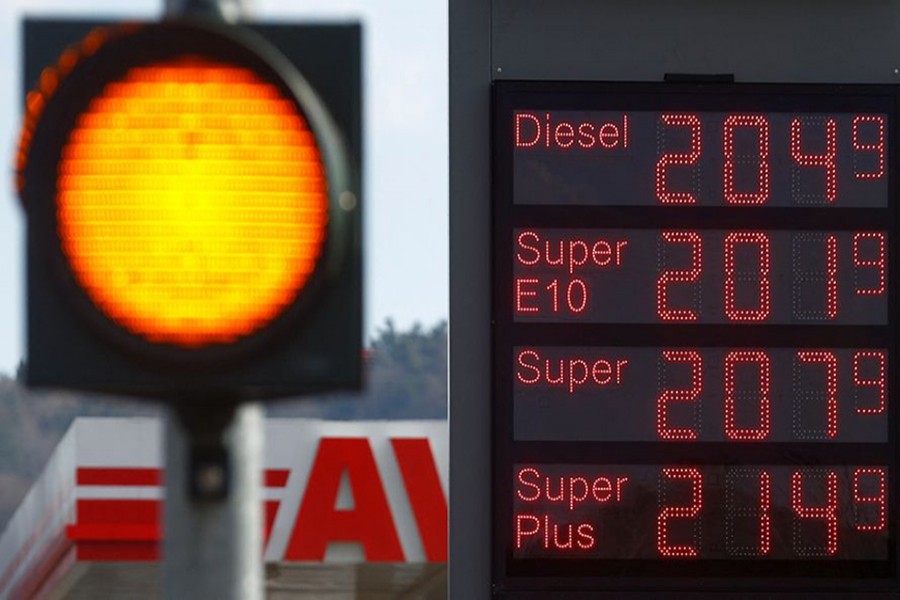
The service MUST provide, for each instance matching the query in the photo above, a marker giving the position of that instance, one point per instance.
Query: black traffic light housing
(316, 346)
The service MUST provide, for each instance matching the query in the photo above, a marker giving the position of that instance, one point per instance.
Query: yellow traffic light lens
(192, 203)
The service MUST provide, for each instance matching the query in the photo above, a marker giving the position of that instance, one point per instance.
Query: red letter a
(369, 522)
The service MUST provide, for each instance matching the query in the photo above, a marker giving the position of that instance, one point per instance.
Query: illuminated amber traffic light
(192, 202)
(188, 190)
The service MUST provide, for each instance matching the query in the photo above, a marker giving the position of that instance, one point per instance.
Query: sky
(405, 128)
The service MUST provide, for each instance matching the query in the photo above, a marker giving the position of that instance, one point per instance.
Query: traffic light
(193, 217)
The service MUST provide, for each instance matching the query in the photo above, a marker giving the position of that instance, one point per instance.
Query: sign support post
(213, 537)
(213, 524)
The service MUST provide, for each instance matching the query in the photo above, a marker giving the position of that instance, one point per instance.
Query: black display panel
(701, 158)
(646, 394)
(709, 512)
(700, 276)
(694, 336)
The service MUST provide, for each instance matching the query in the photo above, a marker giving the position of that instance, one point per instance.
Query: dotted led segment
(763, 304)
(879, 382)
(830, 361)
(826, 160)
(192, 202)
(764, 370)
(878, 499)
(762, 193)
(826, 513)
(669, 276)
(666, 513)
(663, 193)
(663, 429)
(878, 146)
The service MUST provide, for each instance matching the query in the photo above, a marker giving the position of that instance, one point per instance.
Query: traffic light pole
(213, 519)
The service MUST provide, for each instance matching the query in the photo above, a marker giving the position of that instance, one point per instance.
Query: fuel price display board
(694, 335)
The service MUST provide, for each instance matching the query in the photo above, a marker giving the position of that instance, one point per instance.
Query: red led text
(572, 490)
(554, 535)
(568, 255)
(868, 385)
(543, 130)
(868, 141)
(570, 373)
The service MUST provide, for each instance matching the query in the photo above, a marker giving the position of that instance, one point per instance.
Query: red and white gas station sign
(332, 492)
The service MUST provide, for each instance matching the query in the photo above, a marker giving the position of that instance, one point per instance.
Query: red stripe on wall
(125, 511)
(154, 477)
(111, 532)
(118, 552)
(118, 476)
(110, 520)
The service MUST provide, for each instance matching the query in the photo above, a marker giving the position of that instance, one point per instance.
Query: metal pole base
(213, 517)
